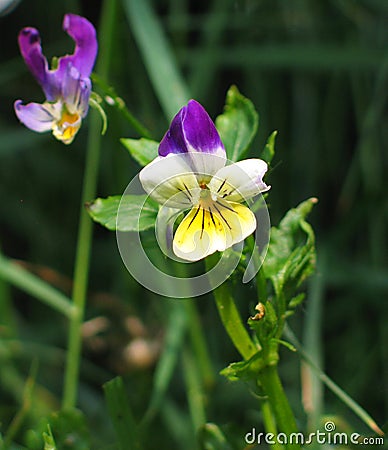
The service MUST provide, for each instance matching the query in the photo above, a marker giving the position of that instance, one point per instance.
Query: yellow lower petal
(67, 127)
(211, 227)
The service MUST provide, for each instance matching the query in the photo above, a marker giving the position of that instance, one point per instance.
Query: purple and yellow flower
(191, 172)
(67, 86)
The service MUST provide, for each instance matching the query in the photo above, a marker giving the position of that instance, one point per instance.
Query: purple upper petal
(84, 35)
(76, 91)
(31, 50)
(192, 130)
(82, 60)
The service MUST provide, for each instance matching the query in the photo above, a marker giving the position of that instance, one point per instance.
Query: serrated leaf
(269, 150)
(142, 150)
(237, 125)
(137, 212)
(291, 253)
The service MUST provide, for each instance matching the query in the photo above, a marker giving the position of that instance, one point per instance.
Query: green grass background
(316, 72)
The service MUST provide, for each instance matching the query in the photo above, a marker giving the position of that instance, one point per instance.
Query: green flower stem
(81, 270)
(230, 316)
(232, 322)
(118, 102)
(82, 261)
(268, 376)
(271, 384)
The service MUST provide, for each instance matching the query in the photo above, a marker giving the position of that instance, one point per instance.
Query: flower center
(67, 126)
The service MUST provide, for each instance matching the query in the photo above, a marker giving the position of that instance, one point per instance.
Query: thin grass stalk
(312, 387)
(82, 261)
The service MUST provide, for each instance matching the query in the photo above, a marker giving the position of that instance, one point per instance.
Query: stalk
(82, 260)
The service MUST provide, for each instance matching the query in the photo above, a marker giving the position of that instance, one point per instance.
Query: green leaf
(291, 253)
(238, 124)
(269, 149)
(142, 150)
(137, 212)
(121, 414)
(245, 370)
(70, 430)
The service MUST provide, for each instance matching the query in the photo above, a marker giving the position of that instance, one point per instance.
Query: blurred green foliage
(317, 72)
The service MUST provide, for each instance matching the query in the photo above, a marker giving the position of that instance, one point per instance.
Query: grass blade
(341, 394)
(173, 342)
(157, 55)
(312, 388)
(122, 417)
(27, 282)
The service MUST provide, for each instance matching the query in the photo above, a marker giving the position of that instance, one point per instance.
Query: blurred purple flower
(67, 86)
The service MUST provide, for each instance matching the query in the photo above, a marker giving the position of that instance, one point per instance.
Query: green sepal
(137, 212)
(266, 327)
(237, 125)
(142, 150)
(54, 62)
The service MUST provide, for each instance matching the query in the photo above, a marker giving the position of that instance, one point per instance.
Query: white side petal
(240, 181)
(170, 181)
(164, 228)
(38, 117)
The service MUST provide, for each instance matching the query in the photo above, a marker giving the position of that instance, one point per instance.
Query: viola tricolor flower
(67, 86)
(191, 172)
